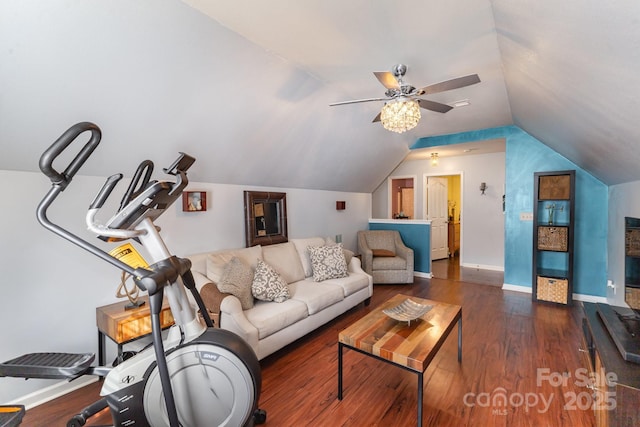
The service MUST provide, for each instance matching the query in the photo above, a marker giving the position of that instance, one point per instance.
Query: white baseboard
(483, 267)
(516, 288)
(422, 274)
(54, 391)
(577, 297)
(589, 298)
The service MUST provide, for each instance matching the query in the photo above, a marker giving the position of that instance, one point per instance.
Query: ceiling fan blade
(434, 106)
(387, 79)
(450, 84)
(355, 101)
(376, 118)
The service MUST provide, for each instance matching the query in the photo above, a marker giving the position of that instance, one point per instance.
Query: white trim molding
(54, 391)
(577, 297)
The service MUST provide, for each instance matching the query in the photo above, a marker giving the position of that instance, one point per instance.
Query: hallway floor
(449, 268)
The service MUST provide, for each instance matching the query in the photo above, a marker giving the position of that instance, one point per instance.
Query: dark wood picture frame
(194, 201)
(265, 215)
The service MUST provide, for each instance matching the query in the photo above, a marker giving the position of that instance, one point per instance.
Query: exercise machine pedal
(11, 415)
(47, 365)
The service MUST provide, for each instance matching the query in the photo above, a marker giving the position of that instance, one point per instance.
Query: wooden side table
(123, 326)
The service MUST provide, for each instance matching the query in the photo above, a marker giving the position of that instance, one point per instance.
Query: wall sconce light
(434, 159)
(483, 187)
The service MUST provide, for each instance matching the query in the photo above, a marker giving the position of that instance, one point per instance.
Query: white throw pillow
(327, 262)
(268, 285)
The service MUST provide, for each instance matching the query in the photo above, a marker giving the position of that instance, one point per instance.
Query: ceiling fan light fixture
(400, 115)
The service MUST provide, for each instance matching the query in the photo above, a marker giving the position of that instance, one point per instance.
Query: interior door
(407, 201)
(437, 212)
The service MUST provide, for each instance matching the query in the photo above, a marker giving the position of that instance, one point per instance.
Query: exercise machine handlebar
(47, 158)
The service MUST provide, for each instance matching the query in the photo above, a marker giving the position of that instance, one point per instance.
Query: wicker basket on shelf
(552, 290)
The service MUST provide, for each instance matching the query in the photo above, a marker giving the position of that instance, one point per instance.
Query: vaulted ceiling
(245, 86)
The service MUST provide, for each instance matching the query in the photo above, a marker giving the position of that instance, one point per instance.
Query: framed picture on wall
(194, 201)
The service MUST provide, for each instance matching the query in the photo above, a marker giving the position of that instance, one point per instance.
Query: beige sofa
(268, 326)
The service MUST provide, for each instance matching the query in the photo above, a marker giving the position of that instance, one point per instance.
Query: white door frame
(460, 209)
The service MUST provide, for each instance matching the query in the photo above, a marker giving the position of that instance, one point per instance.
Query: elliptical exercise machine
(197, 376)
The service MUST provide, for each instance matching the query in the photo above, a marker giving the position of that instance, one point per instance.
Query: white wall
(50, 288)
(623, 201)
(482, 223)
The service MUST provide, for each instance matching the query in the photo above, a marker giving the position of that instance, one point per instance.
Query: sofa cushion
(283, 257)
(268, 285)
(327, 262)
(301, 246)
(351, 284)
(389, 263)
(237, 278)
(316, 296)
(216, 261)
(268, 318)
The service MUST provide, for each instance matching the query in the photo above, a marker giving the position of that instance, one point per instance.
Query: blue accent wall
(415, 236)
(524, 156)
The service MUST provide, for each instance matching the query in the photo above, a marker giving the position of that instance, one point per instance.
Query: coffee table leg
(339, 371)
(420, 398)
(460, 339)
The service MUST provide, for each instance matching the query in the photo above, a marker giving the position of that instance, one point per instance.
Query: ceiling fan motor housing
(399, 70)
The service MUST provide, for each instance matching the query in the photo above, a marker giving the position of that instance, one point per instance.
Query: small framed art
(194, 201)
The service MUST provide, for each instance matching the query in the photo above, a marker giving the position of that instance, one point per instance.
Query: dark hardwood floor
(449, 268)
(511, 350)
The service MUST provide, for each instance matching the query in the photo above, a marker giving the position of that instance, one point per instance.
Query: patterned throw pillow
(268, 285)
(327, 262)
(236, 279)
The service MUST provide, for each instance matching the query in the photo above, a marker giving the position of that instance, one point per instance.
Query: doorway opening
(402, 197)
(443, 207)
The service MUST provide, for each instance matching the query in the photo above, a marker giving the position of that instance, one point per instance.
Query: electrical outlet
(338, 238)
(526, 216)
(611, 285)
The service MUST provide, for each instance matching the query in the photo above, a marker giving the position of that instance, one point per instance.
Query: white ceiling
(566, 72)
(245, 86)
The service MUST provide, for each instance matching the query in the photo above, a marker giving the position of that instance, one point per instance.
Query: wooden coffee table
(409, 346)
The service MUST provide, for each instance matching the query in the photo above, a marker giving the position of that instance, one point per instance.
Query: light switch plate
(526, 216)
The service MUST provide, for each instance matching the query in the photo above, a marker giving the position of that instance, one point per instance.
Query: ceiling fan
(404, 94)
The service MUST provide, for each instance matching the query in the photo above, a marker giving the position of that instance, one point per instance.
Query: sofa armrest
(231, 315)
(355, 265)
(232, 318)
(356, 268)
(200, 280)
(212, 297)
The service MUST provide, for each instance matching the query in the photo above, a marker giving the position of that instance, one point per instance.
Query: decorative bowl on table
(407, 311)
